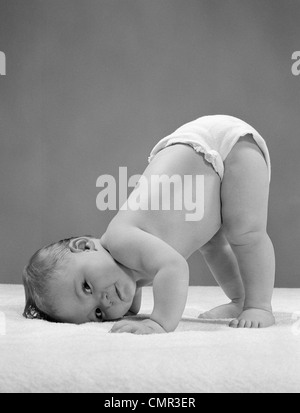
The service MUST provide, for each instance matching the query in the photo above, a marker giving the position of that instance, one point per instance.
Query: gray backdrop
(92, 85)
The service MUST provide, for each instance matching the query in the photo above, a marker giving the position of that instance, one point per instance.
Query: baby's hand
(137, 327)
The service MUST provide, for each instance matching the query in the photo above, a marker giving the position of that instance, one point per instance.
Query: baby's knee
(241, 233)
(217, 242)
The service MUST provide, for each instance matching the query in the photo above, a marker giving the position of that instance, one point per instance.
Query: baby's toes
(242, 323)
(255, 324)
(248, 324)
(234, 323)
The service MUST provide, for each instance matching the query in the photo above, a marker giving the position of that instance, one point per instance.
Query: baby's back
(177, 200)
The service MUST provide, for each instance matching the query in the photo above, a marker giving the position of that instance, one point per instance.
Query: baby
(87, 279)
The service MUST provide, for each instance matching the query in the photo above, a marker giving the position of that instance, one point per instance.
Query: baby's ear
(82, 244)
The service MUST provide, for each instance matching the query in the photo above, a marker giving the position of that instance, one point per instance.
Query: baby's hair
(42, 267)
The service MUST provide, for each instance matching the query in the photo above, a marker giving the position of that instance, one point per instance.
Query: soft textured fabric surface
(201, 356)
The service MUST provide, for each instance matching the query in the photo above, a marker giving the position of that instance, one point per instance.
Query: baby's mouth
(118, 293)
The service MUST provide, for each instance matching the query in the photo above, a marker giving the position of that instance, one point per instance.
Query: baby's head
(76, 280)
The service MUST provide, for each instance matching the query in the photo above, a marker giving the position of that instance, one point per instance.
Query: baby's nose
(105, 301)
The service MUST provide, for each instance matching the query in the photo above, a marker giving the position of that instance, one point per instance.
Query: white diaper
(214, 136)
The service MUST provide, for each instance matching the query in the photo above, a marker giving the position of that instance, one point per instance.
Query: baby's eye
(86, 288)
(98, 314)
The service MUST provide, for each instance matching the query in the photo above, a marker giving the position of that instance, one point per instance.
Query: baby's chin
(127, 291)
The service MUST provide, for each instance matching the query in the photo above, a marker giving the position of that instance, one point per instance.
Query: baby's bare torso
(174, 225)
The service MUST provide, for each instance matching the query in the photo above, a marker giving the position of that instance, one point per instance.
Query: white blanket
(200, 356)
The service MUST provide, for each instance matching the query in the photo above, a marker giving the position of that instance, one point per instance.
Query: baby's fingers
(126, 329)
(123, 327)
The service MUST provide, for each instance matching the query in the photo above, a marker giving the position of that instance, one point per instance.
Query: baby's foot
(231, 310)
(253, 318)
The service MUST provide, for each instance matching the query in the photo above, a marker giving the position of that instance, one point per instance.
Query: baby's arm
(143, 252)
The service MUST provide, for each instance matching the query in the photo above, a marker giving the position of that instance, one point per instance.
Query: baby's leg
(245, 192)
(223, 264)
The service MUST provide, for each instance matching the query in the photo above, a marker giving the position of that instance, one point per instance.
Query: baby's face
(92, 287)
